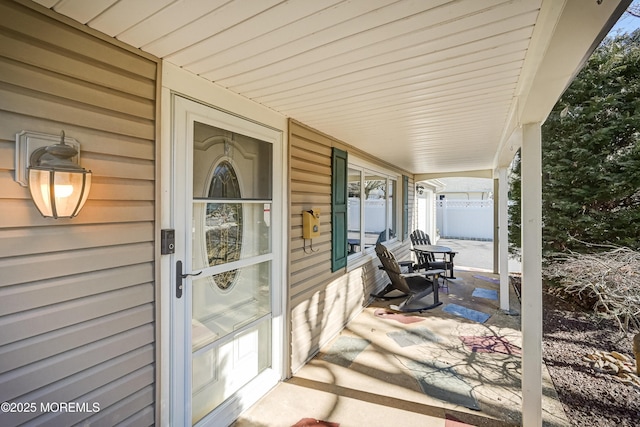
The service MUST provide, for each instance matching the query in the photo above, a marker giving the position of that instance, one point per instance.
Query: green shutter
(405, 207)
(339, 200)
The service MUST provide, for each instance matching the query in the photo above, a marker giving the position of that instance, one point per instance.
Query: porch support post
(503, 238)
(532, 275)
(496, 226)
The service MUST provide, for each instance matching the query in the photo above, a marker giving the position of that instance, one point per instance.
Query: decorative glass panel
(224, 183)
(223, 223)
(229, 232)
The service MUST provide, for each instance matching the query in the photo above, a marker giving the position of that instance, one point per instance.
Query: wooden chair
(414, 286)
(428, 261)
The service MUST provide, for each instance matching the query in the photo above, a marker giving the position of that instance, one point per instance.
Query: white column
(445, 214)
(424, 214)
(531, 276)
(503, 237)
(496, 226)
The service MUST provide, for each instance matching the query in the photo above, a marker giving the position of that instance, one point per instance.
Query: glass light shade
(59, 193)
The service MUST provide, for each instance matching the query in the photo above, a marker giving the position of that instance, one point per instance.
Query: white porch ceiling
(432, 86)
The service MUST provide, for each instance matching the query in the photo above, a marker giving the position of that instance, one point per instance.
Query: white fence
(465, 219)
(373, 212)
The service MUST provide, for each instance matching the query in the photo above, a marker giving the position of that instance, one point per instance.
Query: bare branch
(611, 280)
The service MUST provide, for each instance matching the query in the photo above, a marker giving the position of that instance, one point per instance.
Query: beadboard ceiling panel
(433, 86)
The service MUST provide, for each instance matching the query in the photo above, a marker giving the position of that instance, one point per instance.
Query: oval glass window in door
(224, 223)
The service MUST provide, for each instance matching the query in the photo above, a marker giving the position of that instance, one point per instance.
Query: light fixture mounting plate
(27, 142)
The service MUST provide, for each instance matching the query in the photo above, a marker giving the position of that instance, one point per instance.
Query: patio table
(438, 249)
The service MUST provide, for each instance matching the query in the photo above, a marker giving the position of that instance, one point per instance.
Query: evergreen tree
(591, 153)
(515, 212)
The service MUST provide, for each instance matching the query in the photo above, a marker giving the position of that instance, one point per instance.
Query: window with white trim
(372, 212)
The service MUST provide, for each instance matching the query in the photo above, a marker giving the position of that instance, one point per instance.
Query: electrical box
(311, 224)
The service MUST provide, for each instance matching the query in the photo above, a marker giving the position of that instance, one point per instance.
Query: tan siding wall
(77, 297)
(322, 302)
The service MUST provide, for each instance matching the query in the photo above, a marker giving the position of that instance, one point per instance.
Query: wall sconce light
(419, 189)
(59, 186)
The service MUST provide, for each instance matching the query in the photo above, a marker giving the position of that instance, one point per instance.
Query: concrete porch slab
(434, 369)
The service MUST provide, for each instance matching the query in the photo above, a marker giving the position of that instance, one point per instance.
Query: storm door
(225, 269)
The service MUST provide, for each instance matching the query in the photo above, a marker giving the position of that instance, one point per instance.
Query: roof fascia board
(566, 34)
(548, 18)
(580, 29)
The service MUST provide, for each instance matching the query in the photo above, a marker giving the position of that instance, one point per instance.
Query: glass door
(229, 270)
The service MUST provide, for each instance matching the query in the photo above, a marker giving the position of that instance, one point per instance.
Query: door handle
(180, 277)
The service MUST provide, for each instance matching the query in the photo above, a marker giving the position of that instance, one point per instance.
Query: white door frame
(171, 383)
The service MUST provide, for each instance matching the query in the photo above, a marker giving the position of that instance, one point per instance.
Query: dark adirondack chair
(414, 286)
(428, 261)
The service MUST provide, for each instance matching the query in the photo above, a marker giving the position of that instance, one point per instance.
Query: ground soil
(589, 398)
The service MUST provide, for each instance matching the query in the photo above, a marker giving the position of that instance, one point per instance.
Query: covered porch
(458, 364)
(405, 91)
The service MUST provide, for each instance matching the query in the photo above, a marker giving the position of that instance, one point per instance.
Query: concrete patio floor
(458, 364)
